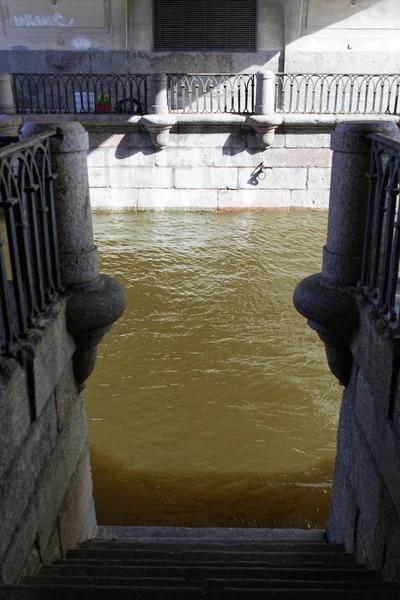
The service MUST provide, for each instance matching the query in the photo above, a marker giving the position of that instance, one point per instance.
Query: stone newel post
(94, 301)
(327, 299)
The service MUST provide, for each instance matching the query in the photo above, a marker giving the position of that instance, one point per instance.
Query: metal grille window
(228, 25)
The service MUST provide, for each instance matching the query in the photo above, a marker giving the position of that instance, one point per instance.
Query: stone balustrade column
(327, 299)
(265, 93)
(343, 251)
(7, 104)
(159, 121)
(94, 301)
(159, 89)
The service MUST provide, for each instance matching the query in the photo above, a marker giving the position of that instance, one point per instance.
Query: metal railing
(29, 269)
(379, 278)
(39, 93)
(211, 93)
(337, 93)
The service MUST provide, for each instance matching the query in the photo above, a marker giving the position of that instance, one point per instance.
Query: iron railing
(29, 269)
(379, 278)
(73, 94)
(211, 93)
(337, 93)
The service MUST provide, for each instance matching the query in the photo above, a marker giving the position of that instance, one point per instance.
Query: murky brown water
(211, 402)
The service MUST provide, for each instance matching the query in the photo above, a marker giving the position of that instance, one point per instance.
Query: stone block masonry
(46, 504)
(205, 168)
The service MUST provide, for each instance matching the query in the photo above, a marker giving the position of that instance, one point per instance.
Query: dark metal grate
(41, 93)
(379, 279)
(224, 25)
(29, 269)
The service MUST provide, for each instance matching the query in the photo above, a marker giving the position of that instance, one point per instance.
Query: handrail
(29, 264)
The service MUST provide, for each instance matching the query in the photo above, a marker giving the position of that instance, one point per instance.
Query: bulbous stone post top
(94, 301)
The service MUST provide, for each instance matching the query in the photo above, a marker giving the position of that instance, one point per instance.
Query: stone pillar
(7, 105)
(343, 251)
(159, 122)
(95, 301)
(265, 93)
(327, 299)
(159, 88)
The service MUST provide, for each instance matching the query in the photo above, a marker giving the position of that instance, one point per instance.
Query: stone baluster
(94, 300)
(327, 299)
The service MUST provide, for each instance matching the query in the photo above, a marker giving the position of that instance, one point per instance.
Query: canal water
(211, 403)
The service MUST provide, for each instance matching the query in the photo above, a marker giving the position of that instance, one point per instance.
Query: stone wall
(365, 506)
(209, 169)
(46, 503)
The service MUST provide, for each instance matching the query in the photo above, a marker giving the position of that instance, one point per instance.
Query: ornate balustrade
(337, 93)
(29, 266)
(211, 93)
(39, 93)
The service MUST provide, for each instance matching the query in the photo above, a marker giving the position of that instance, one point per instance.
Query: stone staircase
(178, 563)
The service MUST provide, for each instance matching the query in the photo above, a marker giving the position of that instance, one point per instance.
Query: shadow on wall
(130, 497)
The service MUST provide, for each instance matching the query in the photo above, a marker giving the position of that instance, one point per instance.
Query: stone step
(200, 555)
(276, 535)
(206, 584)
(200, 572)
(23, 592)
(213, 546)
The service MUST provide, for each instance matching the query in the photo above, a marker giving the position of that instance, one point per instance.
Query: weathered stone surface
(298, 157)
(317, 199)
(319, 178)
(232, 157)
(75, 524)
(308, 139)
(185, 157)
(204, 178)
(140, 177)
(53, 549)
(243, 199)
(97, 177)
(18, 487)
(366, 481)
(275, 178)
(372, 412)
(119, 140)
(113, 199)
(66, 395)
(177, 199)
(129, 157)
(390, 527)
(19, 550)
(51, 354)
(55, 478)
(33, 564)
(373, 543)
(343, 511)
(15, 411)
(210, 139)
(96, 158)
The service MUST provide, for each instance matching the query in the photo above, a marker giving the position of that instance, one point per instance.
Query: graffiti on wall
(44, 20)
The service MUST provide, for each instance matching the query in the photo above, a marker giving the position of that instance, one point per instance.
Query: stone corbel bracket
(333, 313)
(264, 127)
(159, 127)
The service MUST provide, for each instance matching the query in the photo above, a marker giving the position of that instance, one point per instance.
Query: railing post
(159, 122)
(94, 301)
(327, 299)
(265, 93)
(7, 104)
(159, 89)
